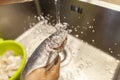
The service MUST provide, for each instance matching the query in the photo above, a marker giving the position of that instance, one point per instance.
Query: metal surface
(84, 62)
(16, 18)
(96, 25)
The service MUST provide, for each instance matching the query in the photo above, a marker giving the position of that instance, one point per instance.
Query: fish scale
(46, 53)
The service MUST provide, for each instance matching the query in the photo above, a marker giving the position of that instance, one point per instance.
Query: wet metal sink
(88, 63)
(93, 55)
(83, 61)
(98, 25)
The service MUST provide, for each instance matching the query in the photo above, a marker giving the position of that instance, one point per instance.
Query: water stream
(57, 8)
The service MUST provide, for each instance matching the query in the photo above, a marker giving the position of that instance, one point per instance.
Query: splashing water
(82, 32)
(93, 40)
(93, 31)
(77, 35)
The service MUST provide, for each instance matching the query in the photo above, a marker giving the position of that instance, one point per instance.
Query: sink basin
(93, 55)
(96, 23)
(83, 61)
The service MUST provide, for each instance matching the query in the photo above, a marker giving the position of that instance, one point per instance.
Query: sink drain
(65, 57)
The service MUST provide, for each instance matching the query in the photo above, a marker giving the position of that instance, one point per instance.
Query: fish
(46, 53)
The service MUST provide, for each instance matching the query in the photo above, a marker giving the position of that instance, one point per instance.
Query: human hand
(42, 74)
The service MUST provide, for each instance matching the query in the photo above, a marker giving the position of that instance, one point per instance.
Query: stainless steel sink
(83, 61)
(98, 25)
(93, 55)
(16, 18)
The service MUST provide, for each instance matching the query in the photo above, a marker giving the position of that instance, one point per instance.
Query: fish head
(58, 40)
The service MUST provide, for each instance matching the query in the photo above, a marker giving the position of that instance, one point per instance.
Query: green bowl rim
(24, 57)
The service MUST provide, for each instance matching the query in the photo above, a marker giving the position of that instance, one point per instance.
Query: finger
(37, 74)
(53, 73)
(56, 66)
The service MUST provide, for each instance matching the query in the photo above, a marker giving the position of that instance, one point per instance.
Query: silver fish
(46, 53)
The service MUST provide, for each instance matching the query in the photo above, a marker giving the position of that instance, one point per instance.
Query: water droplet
(38, 18)
(88, 23)
(93, 31)
(33, 24)
(82, 32)
(117, 61)
(86, 43)
(48, 15)
(64, 17)
(84, 27)
(72, 26)
(81, 66)
(47, 18)
(90, 27)
(94, 19)
(110, 49)
(77, 35)
(35, 16)
(93, 40)
(118, 54)
(115, 44)
(70, 30)
(65, 24)
(79, 17)
(30, 26)
(24, 28)
(76, 30)
(82, 40)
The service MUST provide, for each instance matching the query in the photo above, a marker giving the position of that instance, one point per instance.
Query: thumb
(37, 74)
(53, 73)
